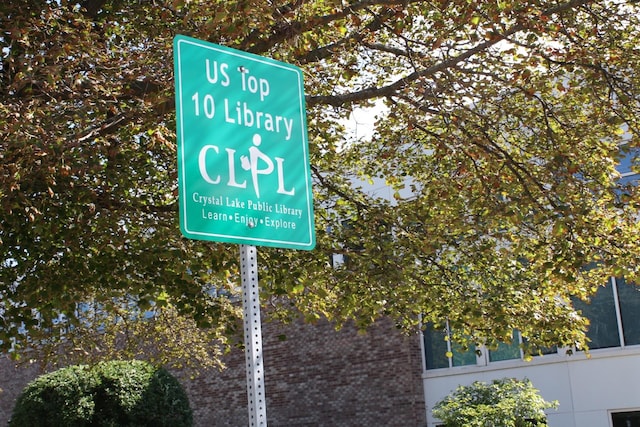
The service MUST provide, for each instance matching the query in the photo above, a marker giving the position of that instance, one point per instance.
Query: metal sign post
(253, 336)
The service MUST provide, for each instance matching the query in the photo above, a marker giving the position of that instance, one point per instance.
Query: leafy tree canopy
(499, 139)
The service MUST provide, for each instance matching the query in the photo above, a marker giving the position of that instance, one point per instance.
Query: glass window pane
(507, 351)
(462, 357)
(601, 312)
(629, 298)
(435, 347)
(626, 419)
(547, 350)
(538, 351)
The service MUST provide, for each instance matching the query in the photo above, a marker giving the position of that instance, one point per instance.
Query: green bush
(503, 403)
(117, 393)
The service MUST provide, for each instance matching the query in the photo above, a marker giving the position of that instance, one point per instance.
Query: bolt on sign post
(243, 167)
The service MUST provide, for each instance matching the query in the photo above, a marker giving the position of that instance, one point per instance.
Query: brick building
(316, 377)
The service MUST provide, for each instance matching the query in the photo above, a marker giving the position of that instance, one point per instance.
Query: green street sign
(243, 159)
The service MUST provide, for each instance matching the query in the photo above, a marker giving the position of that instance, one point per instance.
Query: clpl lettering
(257, 163)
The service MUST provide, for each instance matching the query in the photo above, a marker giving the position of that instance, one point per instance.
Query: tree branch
(328, 50)
(398, 85)
(281, 32)
(326, 184)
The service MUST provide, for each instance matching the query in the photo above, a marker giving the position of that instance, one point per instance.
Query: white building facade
(602, 390)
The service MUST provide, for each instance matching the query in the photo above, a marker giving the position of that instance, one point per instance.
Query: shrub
(117, 393)
(503, 403)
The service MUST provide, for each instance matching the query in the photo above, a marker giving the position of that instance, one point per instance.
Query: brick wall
(316, 377)
(322, 377)
(12, 381)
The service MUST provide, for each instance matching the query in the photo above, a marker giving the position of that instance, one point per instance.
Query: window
(537, 351)
(435, 347)
(513, 349)
(614, 316)
(626, 419)
(462, 357)
(440, 352)
(507, 351)
(614, 313)
(629, 297)
(601, 312)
